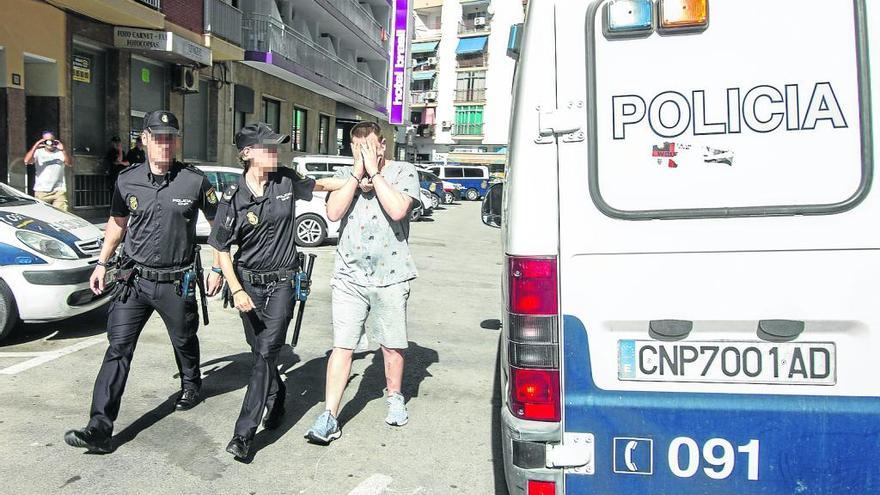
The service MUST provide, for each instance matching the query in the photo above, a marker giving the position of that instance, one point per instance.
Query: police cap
(161, 122)
(258, 134)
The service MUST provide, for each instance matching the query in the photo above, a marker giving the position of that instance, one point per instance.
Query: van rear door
(719, 245)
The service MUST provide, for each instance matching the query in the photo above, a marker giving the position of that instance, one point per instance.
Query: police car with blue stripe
(691, 301)
(46, 258)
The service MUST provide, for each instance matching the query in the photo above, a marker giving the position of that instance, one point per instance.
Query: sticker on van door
(669, 154)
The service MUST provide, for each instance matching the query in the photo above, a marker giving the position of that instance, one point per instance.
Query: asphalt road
(448, 447)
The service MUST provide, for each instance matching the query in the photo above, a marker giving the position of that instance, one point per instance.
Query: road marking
(46, 357)
(373, 485)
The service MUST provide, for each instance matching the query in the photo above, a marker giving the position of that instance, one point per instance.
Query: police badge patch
(212, 196)
(253, 219)
(132, 203)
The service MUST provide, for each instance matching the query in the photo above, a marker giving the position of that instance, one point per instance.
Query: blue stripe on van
(808, 444)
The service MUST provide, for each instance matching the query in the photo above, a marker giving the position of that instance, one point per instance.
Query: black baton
(200, 283)
(302, 300)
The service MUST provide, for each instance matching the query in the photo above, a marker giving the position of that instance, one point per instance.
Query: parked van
(691, 302)
(320, 166)
(474, 179)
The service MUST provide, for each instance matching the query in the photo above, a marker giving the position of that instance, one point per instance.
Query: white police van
(692, 305)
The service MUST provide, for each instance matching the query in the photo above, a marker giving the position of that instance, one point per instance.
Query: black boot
(239, 446)
(89, 438)
(188, 399)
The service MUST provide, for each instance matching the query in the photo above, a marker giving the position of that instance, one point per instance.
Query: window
(471, 86)
(435, 171)
(91, 190)
(316, 167)
(213, 179)
(298, 136)
(227, 179)
(240, 121)
(272, 113)
(88, 102)
(454, 172)
(473, 173)
(195, 123)
(468, 120)
(324, 135)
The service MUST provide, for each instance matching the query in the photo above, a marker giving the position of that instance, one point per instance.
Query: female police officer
(257, 214)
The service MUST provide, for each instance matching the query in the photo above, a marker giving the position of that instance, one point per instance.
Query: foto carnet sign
(160, 41)
(398, 86)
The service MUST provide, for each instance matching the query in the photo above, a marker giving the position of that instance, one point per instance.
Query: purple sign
(398, 59)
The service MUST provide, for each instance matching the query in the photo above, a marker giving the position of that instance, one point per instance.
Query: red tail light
(533, 339)
(541, 488)
(534, 394)
(533, 286)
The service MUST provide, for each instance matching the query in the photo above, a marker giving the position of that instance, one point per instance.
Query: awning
(424, 47)
(467, 46)
(423, 75)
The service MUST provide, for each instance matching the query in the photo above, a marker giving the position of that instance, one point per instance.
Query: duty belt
(266, 278)
(155, 275)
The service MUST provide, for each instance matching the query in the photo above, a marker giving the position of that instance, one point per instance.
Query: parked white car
(312, 225)
(46, 258)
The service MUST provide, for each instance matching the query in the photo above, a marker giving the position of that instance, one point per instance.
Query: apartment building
(91, 69)
(461, 81)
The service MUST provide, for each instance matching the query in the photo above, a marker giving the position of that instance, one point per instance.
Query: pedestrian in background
(50, 160)
(114, 160)
(372, 271)
(154, 208)
(136, 154)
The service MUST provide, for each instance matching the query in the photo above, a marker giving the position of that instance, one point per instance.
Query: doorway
(42, 106)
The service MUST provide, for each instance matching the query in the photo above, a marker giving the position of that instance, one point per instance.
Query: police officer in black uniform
(257, 214)
(155, 208)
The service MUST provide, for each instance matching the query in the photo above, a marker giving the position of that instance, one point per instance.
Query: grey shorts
(385, 307)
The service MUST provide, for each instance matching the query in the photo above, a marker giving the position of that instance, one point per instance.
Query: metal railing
(360, 17)
(467, 130)
(265, 34)
(471, 61)
(223, 20)
(423, 97)
(472, 94)
(156, 4)
(469, 27)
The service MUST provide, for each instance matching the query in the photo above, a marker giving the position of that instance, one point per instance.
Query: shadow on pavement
(417, 361)
(497, 448)
(217, 380)
(491, 324)
(85, 325)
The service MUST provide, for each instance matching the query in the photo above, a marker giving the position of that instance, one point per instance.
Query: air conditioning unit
(431, 95)
(479, 21)
(447, 125)
(433, 60)
(186, 79)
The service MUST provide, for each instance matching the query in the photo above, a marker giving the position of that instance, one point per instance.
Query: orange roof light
(684, 14)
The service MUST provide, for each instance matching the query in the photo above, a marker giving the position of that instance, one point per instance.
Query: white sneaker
(397, 415)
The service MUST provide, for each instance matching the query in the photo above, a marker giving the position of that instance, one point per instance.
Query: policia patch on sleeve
(211, 195)
(132, 203)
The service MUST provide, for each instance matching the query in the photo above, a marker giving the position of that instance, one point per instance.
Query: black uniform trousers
(127, 318)
(265, 328)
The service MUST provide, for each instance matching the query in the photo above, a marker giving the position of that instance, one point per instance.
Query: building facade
(461, 81)
(89, 70)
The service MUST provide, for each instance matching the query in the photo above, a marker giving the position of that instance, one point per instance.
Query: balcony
(156, 4)
(474, 27)
(468, 130)
(470, 95)
(269, 37)
(424, 130)
(223, 20)
(423, 97)
(360, 17)
(472, 61)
